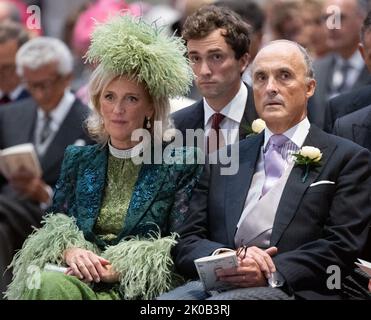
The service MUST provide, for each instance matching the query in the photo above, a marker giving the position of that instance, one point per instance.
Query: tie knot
(217, 118)
(277, 140)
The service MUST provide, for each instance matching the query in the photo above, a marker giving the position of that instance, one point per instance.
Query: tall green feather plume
(128, 45)
(145, 266)
(42, 246)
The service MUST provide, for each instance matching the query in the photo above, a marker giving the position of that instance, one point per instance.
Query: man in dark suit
(12, 36)
(52, 119)
(356, 99)
(218, 46)
(355, 126)
(296, 221)
(343, 69)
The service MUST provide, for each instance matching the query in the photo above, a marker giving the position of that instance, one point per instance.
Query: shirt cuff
(276, 280)
(44, 205)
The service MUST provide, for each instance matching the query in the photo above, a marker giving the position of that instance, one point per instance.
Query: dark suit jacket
(18, 214)
(193, 117)
(324, 69)
(346, 103)
(17, 123)
(356, 126)
(314, 227)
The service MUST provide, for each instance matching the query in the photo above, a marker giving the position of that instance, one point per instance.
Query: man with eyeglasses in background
(52, 118)
(12, 36)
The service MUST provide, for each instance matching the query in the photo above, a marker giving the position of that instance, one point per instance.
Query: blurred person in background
(12, 37)
(52, 118)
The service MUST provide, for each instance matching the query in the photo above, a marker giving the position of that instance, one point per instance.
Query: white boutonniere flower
(257, 126)
(308, 157)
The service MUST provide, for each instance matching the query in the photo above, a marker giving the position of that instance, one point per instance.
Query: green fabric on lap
(58, 286)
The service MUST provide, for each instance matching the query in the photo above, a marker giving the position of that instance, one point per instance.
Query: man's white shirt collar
(231, 110)
(296, 134)
(60, 111)
(15, 93)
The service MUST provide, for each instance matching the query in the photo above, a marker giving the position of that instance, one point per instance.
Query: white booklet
(206, 267)
(364, 266)
(19, 157)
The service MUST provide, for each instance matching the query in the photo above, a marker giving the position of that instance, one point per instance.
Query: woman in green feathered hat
(114, 218)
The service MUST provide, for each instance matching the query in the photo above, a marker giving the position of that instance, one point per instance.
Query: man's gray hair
(41, 51)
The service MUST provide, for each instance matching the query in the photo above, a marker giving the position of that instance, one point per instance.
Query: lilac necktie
(273, 161)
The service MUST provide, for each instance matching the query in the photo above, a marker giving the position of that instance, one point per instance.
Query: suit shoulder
(181, 114)
(356, 116)
(362, 94)
(344, 145)
(81, 108)
(17, 106)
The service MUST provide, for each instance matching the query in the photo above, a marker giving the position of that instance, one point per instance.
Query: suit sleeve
(194, 235)
(329, 117)
(344, 228)
(187, 178)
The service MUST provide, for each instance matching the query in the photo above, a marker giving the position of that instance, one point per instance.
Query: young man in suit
(294, 221)
(51, 119)
(218, 49)
(12, 37)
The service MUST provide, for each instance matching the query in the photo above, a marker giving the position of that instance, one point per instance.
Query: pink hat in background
(98, 11)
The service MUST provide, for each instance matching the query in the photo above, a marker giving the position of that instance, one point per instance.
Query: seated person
(113, 218)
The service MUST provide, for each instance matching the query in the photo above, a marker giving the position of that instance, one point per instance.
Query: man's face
(346, 38)
(281, 88)
(46, 85)
(218, 72)
(8, 76)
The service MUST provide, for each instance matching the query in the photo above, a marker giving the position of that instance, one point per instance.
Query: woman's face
(124, 105)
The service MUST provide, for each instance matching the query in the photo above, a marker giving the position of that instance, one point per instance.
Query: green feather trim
(45, 245)
(126, 45)
(145, 266)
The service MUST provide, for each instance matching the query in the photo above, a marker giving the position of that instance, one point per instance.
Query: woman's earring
(148, 123)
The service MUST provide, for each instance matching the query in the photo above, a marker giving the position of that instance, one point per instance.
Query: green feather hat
(126, 45)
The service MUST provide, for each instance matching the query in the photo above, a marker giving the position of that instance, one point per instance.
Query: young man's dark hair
(209, 18)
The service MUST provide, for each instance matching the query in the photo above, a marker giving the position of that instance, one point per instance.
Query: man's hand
(87, 266)
(255, 267)
(246, 275)
(369, 285)
(262, 258)
(34, 188)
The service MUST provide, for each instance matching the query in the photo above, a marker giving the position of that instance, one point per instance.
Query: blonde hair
(100, 79)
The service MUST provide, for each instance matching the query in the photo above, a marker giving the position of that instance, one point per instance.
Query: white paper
(365, 266)
(206, 267)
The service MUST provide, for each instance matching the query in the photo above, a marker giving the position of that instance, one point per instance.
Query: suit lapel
(197, 118)
(237, 185)
(249, 114)
(92, 188)
(362, 133)
(294, 190)
(27, 121)
(148, 185)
